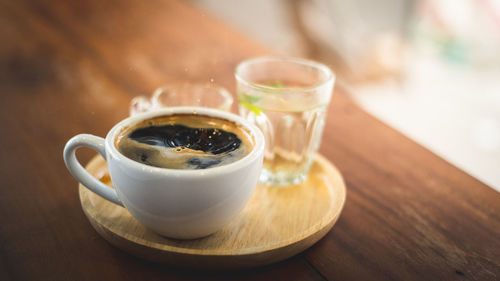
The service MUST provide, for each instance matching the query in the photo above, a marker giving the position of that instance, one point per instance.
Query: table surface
(69, 67)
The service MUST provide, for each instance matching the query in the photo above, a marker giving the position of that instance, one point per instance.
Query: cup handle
(76, 169)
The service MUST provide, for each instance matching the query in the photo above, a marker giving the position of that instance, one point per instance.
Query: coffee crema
(185, 141)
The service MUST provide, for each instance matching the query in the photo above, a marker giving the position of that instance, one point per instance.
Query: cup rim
(258, 147)
(304, 62)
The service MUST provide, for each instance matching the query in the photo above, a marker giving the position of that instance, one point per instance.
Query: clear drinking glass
(183, 95)
(287, 99)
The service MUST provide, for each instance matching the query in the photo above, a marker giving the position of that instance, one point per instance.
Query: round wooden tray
(276, 224)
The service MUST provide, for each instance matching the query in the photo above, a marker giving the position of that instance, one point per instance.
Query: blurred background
(430, 69)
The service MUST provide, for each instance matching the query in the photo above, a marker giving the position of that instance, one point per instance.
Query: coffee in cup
(184, 141)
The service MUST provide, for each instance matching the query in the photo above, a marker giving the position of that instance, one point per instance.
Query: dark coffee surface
(211, 140)
(186, 141)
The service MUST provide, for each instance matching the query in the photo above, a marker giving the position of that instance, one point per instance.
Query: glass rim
(218, 90)
(330, 76)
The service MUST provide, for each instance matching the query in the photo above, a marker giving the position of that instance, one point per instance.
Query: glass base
(281, 179)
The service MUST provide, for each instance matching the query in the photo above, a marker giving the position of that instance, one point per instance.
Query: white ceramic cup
(183, 204)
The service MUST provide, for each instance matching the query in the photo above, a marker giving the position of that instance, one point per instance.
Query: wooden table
(69, 67)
